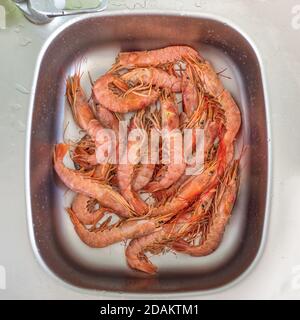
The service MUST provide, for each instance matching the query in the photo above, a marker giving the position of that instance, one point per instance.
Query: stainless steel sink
(94, 40)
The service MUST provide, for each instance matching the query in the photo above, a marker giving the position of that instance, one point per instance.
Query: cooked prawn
(107, 118)
(170, 121)
(142, 176)
(153, 76)
(155, 242)
(191, 189)
(103, 193)
(125, 170)
(233, 122)
(85, 209)
(144, 171)
(205, 75)
(76, 96)
(83, 154)
(122, 103)
(84, 206)
(154, 58)
(224, 202)
(213, 86)
(123, 230)
(85, 118)
(190, 94)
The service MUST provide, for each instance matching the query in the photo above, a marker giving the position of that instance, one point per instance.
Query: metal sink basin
(94, 41)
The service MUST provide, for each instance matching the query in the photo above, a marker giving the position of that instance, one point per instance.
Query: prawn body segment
(125, 171)
(84, 208)
(155, 57)
(116, 233)
(153, 77)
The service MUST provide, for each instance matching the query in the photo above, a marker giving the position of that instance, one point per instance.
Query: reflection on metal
(296, 17)
(2, 278)
(2, 18)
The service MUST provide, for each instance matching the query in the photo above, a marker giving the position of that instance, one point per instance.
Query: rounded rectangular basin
(94, 41)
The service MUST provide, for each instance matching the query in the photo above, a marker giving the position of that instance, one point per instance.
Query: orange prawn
(120, 101)
(154, 58)
(120, 231)
(103, 193)
(85, 209)
(107, 118)
(84, 116)
(156, 241)
(190, 93)
(125, 170)
(153, 76)
(224, 202)
(175, 168)
(84, 206)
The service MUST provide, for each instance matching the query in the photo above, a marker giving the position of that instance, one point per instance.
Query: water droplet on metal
(22, 89)
(16, 106)
(151, 3)
(18, 28)
(117, 3)
(21, 126)
(24, 42)
(198, 3)
(132, 4)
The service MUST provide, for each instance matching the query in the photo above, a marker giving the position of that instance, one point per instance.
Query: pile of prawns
(190, 212)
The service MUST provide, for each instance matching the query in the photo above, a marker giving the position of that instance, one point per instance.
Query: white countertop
(275, 29)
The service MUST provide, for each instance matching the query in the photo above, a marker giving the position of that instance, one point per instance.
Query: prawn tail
(143, 264)
(78, 226)
(60, 151)
(73, 216)
(136, 259)
(147, 266)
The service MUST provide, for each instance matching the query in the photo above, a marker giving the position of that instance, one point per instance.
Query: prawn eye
(77, 166)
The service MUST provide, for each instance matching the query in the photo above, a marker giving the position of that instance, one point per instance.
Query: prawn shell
(156, 57)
